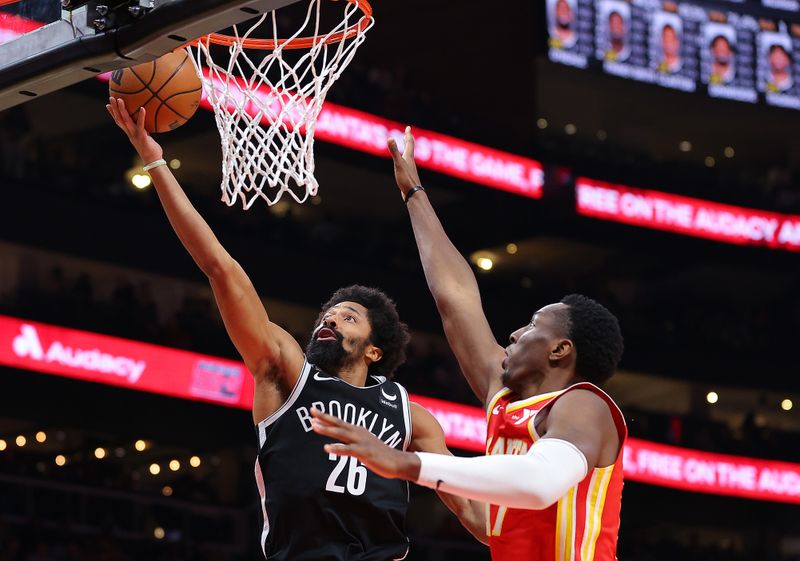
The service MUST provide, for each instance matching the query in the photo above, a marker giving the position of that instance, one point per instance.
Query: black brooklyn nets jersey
(322, 507)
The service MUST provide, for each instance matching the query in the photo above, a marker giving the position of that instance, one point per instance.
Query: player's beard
(331, 356)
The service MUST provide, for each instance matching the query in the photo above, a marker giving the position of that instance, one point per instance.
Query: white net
(267, 95)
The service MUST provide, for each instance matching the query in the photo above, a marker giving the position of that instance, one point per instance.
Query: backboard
(46, 45)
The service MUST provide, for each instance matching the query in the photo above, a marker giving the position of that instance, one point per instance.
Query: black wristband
(412, 191)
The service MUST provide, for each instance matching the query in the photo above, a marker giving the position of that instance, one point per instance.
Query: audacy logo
(28, 345)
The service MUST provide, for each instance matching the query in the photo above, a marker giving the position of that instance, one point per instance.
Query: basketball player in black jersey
(316, 506)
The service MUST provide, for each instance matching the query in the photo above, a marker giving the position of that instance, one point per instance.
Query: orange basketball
(168, 88)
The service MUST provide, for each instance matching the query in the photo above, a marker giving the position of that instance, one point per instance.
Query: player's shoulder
(584, 404)
(423, 421)
(578, 397)
(419, 412)
(427, 435)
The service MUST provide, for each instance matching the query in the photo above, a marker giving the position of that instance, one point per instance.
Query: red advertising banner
(684, 215)
(120, 362)
(140, 366)
(368, 133)
(464, 426)
(438, 152)
(704, 472)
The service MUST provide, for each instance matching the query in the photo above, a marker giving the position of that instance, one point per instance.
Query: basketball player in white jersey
(315, 506)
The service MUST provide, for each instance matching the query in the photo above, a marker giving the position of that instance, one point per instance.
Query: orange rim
(7, 2)
(298, 43)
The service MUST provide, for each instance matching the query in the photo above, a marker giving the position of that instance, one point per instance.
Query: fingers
(328, 430)
(339, 449)
(140, 121)
(117, 109)
(112, 108)
(393, 149)
(330, 426)
(409, 144)
(124, 115)
(325, 418)
(121, 116)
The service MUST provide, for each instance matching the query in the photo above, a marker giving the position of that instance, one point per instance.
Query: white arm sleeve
(535, 480)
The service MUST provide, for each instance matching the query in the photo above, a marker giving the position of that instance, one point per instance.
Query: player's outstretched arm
(535, 480)
(451, 281)
(264, 346)
(428, 436)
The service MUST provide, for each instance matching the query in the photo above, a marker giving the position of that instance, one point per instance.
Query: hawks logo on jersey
(582, 525)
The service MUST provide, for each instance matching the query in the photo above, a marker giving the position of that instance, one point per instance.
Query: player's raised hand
(149, 150)
(405, 168)
(362, 444)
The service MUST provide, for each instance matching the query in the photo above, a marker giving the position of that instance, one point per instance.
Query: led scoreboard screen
(746, 51)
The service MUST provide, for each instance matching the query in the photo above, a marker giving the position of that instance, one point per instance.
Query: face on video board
(613, 29)
(775, 62)
(720, 45)
(667, 34)
(562, 17)
(728, 58)
(569, 31)
(728, 49)
(780, 67)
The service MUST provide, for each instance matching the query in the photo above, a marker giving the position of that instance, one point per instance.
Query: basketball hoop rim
(298, 43)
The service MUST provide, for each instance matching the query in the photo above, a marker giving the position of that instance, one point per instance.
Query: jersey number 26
(356, 476)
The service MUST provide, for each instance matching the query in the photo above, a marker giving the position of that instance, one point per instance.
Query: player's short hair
(723, 38)
(778, 46)
(670, 27)
(596, 335)
(388, 333)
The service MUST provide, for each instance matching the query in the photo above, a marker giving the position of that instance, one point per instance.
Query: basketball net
(266, 108)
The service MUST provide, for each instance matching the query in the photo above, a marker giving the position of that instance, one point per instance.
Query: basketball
(167, 87)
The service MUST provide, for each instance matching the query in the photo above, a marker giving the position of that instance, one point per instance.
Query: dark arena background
(562, 155)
